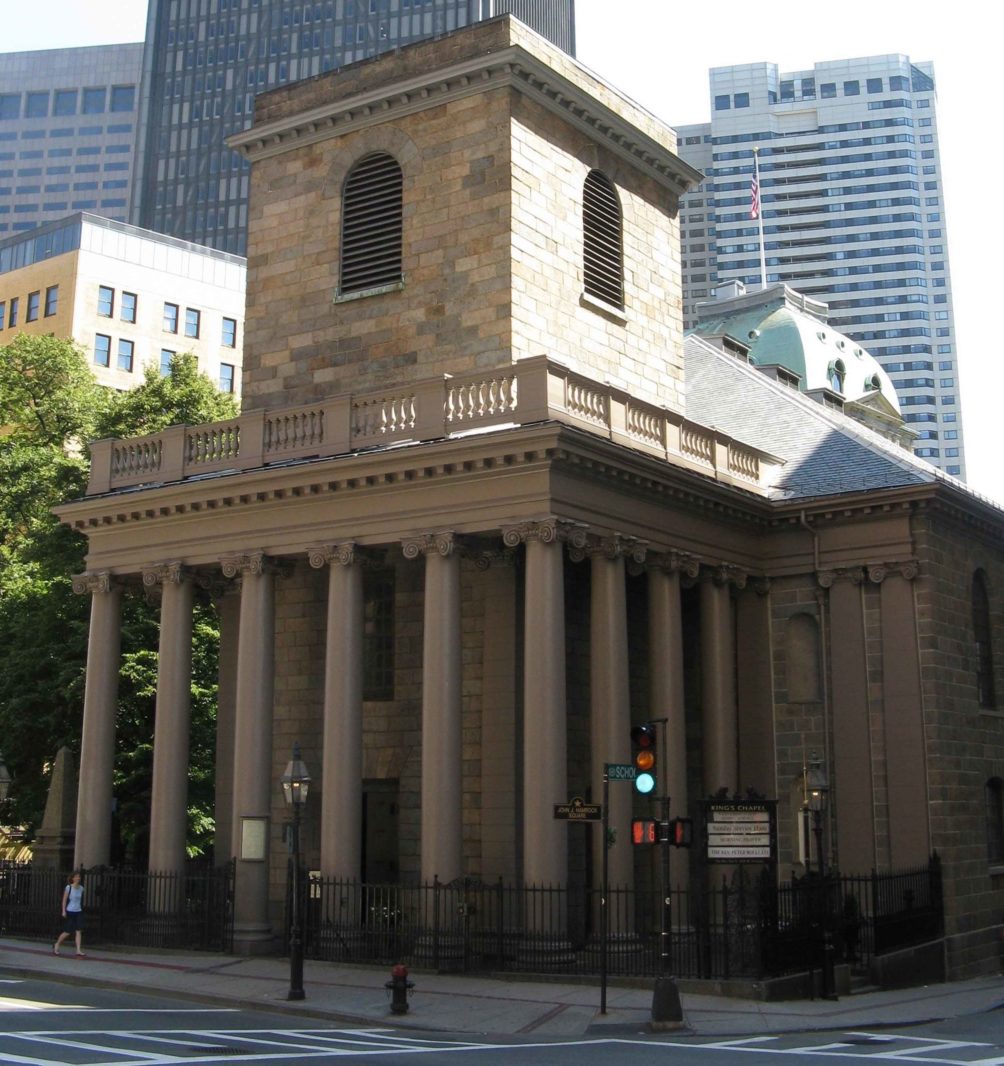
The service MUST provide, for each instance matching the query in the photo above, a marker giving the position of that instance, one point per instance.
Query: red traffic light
(643, 831)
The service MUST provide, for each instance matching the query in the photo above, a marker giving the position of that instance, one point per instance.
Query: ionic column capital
(173, 573)
(724, 574)
(546, 530)
(828, 578)
(347, 553)
(442, 544)
(256, 563)
(674, 561)
(907, 569)
(95, 581)
(612, 546)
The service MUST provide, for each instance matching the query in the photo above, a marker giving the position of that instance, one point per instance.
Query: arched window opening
(603, 240)
(984, 645)
(995, 821)
(837, 375)
(371, 224)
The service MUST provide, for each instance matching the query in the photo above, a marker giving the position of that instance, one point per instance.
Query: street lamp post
(295, 785)
(817, 787)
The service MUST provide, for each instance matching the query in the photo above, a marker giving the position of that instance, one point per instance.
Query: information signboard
(740, 830)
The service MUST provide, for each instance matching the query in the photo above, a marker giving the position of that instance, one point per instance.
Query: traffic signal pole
(605, 830)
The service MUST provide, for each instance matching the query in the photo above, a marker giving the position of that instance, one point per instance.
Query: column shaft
(169, 795)
(253, 782)
(342, 775)
(97, 748)
(666, 694)
(718, 686)
(229, 609)
(442, 789)
(545, 773)
(610, 706)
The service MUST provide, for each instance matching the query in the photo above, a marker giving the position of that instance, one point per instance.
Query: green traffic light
(644, 783)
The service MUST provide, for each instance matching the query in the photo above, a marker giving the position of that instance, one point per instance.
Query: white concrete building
(853, 214)
(129, 297)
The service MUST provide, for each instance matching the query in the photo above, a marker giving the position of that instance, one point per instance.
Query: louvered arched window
(371, 223)
(984, 643)
(603, 243)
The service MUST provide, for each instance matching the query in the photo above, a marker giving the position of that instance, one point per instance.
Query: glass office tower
(853, 214)
(206, 59)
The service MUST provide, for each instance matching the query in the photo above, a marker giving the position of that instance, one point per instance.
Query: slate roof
(824, 451)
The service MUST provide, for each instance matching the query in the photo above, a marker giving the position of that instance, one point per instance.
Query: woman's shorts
(73, 921)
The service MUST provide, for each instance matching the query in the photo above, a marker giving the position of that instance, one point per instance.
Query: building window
(874, 85)
(12, 314)
(10, 105)
(166, 355)
(128, 307)
(372, 228)
(37, 105)
(3, 313)
(723, 103)
(742, 100)
(106, 301)
(94, 102)
(828, 90)
(125, 355)
(51, 300)
(192, 320)
(65, 102)
(984, 648)
(229, 339)
(378, 635)
(852, 88)
(123, 97)
(102, 350)
(995, 821)
(602, 240)
(170, 318)
(31, 311)
(226, 377)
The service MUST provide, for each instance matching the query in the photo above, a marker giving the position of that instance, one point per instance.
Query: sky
(658, 52)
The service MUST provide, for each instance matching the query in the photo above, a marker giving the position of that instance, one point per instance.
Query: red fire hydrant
(399, 987)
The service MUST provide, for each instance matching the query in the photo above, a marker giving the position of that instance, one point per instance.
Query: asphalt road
(45, 1023)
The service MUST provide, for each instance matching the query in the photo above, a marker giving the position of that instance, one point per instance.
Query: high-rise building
(67, 133)
(204, 63)
(853, 214)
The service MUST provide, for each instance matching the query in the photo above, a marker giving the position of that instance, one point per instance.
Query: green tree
(50, 406)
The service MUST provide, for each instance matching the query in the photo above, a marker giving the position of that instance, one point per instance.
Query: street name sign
(576, 810)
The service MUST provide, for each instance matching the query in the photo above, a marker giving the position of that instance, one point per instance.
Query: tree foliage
(50, 407)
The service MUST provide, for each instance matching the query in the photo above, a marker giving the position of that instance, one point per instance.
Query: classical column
(903, 704)
(852, 786)
(719, 718)
(169, 795)
(228, 605)
(545, 742)
(665, 627)
(609, 691)
(442, 779)
(342, 762)
(755, 688)
(92, 845)
(253, 780)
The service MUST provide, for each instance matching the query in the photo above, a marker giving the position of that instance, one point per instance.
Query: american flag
(755, 197)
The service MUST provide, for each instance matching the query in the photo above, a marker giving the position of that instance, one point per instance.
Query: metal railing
(746, 927)
(191, 911)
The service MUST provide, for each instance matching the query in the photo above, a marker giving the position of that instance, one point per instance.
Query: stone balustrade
(533, 390)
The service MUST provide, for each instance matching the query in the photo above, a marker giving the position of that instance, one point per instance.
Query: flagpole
(756, 210)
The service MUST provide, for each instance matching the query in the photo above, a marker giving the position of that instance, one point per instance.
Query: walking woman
(73, 912)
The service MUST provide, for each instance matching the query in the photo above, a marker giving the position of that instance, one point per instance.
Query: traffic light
(643, 831)
(677, 831)
(644, 739)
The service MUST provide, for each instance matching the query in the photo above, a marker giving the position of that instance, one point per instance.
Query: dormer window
(372, 201)
(602, 240)
(837, 374)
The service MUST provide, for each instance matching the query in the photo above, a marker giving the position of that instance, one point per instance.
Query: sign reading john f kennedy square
(740, 830)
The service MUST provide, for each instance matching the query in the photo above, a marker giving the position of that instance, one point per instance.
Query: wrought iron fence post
(435, 922)
(726, 946)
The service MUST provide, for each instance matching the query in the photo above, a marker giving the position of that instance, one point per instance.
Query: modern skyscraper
(205, 61)
(67, 133)
(853, 214)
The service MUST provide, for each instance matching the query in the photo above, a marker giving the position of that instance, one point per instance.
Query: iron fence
(747, 926)
(191, 910)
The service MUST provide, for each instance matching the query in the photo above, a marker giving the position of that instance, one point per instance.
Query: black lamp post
(817, 788)
(295, 785)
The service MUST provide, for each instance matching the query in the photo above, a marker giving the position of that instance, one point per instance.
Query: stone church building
(485, 507)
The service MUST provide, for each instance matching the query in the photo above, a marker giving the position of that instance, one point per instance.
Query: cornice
(513, 68)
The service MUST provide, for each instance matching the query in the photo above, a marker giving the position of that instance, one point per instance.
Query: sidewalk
(460, 1003)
